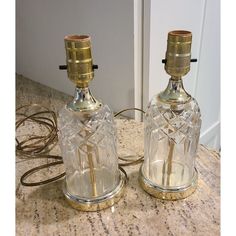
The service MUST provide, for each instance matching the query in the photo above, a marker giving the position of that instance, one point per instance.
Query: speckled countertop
(44, 211)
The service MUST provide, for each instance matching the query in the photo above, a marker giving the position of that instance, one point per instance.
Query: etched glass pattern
(171, 140)
(88, 146)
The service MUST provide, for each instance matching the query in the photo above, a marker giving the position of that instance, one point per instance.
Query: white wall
(40, 29)
(203, 82)
(128, 43)
(207, 89)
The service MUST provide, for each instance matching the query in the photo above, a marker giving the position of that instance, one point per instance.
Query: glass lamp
(172, 128)
(87, 137)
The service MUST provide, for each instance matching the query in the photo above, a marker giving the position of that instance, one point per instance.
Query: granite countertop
(43, 210)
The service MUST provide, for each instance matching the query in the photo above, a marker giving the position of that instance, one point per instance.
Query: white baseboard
(211, 136)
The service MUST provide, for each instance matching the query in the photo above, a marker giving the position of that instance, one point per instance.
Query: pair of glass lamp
(88, 136)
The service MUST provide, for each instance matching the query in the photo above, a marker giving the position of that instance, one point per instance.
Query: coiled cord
(34, 146)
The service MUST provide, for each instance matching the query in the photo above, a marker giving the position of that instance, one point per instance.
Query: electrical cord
(39, 146)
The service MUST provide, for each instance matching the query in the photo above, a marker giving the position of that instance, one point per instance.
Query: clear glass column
(172, 129)
(88, 137)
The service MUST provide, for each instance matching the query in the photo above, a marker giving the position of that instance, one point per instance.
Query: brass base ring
(167, 194)
(98, 203)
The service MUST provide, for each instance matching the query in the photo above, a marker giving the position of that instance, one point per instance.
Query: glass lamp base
(98, 203)
(167, 194)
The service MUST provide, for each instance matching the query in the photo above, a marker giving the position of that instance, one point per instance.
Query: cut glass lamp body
(88, 137)
(172, 129)
(88, 146)
(171, 141)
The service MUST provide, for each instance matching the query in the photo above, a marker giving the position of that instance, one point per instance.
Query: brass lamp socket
(79, 59)
(178, 54)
